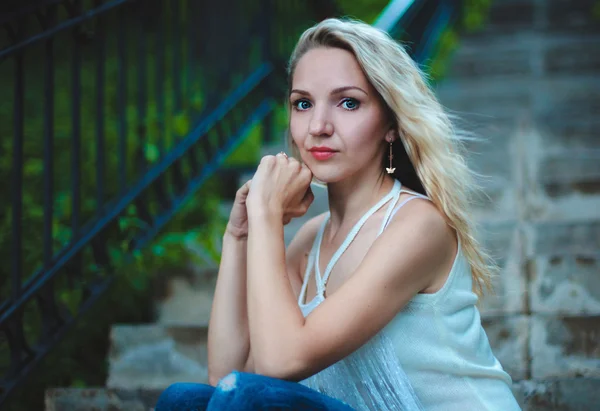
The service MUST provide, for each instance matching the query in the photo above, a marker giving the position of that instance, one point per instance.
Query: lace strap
(402, 204)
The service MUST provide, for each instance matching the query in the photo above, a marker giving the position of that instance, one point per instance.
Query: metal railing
(109, 107)
(419, 23)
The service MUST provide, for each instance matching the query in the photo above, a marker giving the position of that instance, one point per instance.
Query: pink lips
(322, 153)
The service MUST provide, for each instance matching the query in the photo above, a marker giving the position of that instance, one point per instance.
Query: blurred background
(126, 127)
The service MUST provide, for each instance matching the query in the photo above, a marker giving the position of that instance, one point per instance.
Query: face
(337, 119)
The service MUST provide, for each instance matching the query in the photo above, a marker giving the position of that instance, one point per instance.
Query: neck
(350, 198)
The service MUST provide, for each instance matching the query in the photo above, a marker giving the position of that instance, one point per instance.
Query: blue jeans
(241, 391)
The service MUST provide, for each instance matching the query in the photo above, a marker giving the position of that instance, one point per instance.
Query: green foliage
(475, 14)
(365, 10)
(80, 360)
(447, 44)
(248, 151)
(596, 10)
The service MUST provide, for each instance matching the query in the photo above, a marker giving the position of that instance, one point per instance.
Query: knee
(236, 380)
(182, 396)
(229, 382)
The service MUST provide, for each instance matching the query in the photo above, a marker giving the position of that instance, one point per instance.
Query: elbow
(214, 376)
(213, 379)
(280, 367)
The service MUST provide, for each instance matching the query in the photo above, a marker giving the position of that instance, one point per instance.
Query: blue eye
(301, 105)
(350, 104)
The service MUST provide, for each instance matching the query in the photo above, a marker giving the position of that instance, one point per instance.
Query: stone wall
(529, 86)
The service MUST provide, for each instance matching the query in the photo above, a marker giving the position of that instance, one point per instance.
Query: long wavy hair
(430, 156)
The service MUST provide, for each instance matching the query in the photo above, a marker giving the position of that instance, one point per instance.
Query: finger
(267, 160)
(302, 207)
(305, 170)
(244, 189)
(308, 198)
(295, 164)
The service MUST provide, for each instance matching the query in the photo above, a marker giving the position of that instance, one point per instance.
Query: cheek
(361, 134)
(296, 130)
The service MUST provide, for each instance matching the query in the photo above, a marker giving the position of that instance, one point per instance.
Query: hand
(238, 218)
(281, 185)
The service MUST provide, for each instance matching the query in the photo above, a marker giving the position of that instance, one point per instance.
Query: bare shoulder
(427, 235)
(424, 213)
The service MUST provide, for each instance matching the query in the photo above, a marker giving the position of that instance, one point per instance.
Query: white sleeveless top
(434, 355)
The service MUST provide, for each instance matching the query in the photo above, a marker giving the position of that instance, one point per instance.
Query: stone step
(521, 17)
(570, 394)
(100, 399)
(153, 356)
(186, 301)
(532, 55)
(546, 267)
(564, 268)
(504, 242)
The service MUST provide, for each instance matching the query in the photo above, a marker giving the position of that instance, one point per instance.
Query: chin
(327, 178)
(327, 173)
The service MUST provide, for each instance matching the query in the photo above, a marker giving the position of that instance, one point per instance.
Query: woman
(373, 302)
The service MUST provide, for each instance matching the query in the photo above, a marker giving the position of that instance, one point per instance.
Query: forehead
(328, 68)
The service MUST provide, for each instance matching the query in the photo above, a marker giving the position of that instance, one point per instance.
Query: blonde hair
(430, 142)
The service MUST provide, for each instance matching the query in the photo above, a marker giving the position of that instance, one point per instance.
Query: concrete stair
(520, 85)
(529, 85)
(155, 356)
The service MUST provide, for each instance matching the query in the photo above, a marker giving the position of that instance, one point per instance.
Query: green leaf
(32, 167)
(182, 124)
(152, 153)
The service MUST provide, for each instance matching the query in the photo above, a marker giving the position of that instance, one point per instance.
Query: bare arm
(288, 346)
(228, 338)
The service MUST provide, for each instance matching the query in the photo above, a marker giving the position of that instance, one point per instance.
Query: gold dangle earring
(391, 169)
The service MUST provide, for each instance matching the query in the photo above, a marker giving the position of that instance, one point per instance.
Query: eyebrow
(334, 91)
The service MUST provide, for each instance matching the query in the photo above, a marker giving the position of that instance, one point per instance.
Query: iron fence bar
(176, 41)
(153, 173)
(61, 27)
(160, 86)
(267, 56)
(99, 38)
(191, 43)
(142, 131)
(17, 177)
(210, 168)
(122, 100)
(48, 140)
(75, 127)
(388, 19)
(442, 17)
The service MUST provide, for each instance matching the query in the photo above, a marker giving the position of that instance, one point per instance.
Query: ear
(391, 135)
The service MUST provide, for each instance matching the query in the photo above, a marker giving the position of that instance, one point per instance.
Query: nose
(320, 124)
